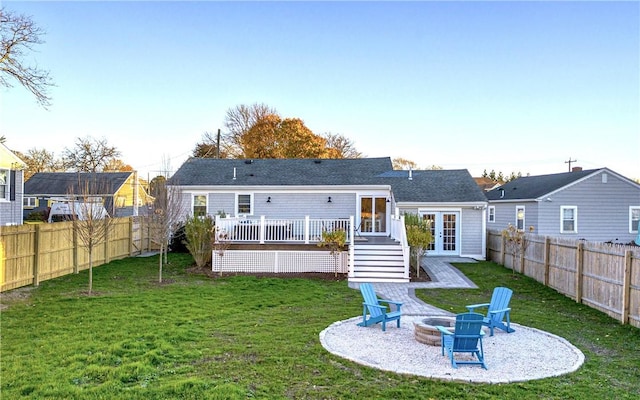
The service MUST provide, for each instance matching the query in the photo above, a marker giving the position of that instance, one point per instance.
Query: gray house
(595, 205)
(292, 201)
(11, 183)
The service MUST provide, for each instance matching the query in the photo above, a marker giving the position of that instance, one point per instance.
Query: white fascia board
(514, 201)
(296, 189)
(437, 205)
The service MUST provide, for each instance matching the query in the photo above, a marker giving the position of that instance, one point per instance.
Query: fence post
(503, 250)
(579, 268)
(130, 236)
(36, 257)
(74, 234)
(547, 256)
(626, 287)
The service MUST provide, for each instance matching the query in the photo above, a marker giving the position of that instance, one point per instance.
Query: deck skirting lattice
(279, 261)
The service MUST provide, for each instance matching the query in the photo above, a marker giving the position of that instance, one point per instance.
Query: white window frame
(206, 202)
(631, 210)
(250, 204)
(491, 214)
(575, 219)
(6, 184)
(524, 214)
(30, 202)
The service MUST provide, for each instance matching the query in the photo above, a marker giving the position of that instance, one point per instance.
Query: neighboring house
(308, 195)
(11, 187)
(120, 192)
(595, 205)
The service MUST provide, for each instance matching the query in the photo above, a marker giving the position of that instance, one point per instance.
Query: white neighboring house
(597, 205)
(11, 187)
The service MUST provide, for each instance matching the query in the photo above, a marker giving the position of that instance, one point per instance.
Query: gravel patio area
(523, 355)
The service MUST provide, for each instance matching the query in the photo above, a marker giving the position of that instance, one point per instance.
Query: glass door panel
(366, 214)
(380, 216)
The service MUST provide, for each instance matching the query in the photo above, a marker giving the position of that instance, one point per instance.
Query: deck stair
(378, 260)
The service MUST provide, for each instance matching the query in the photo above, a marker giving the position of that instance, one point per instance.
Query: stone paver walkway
(442, 274)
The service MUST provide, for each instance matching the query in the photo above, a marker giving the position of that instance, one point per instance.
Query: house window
(568, 219)
(199, 204)
(29, 202)
(634, 219)
(492, 214)
(244, 204)
(520, 218)
(4, 184)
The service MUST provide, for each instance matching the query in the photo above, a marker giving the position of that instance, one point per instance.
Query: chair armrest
(499, 311)
(374, 305)
(397, 303)
(471, 307)
(443, 330)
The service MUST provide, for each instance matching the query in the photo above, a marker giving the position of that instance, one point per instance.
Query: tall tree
(117, 165)
(402, 163)
(238, 121)
(18, 35)
(273, 137)
(89, 155)
(39, 160)
(340, 146)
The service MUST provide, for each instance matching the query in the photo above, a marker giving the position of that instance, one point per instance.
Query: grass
(195, 337)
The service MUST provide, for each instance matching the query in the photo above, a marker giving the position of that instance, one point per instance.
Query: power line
(569, 162)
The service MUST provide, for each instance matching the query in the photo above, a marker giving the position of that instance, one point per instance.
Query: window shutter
(12, 185)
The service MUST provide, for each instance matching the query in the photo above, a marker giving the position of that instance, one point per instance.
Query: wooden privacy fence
(30, 254)
(603, 276)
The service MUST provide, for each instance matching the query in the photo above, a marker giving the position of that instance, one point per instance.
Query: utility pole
(218, 145)
(569, 162)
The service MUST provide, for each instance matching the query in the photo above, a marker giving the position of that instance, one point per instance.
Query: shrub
(199, 235)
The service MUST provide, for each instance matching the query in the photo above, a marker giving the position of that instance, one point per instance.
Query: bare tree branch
(89, 155)
(18, 34)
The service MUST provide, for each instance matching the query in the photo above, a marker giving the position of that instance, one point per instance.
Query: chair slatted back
(370, 297)
(467, 332)
(499, 301)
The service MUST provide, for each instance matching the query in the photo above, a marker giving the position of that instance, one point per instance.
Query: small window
(568, 219)
(634, 219)
(244, 204)
(492, 214)
(29, 202)
(4, 184)
(199, 204)
(520, 218)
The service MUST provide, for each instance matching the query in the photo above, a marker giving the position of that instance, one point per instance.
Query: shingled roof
(63, 183)
(279, 172)
(433, 186)
(533, 187)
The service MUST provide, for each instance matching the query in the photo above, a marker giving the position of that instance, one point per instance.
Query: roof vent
(576, 169)
(410, 174)
(248, 161)
(501, 193)
(317, 161)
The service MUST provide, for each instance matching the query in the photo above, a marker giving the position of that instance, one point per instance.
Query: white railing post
(352, 250)
(406, 251)
(306, 229)
(262, 229)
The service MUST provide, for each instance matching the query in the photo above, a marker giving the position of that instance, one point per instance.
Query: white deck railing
(399, 233)
(270, 230)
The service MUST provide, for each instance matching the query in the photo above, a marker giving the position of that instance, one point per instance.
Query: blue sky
(509, 86)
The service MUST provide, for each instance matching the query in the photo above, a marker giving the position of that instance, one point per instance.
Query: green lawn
(243, 337)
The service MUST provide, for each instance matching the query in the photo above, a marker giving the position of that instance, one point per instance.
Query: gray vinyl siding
(603, 209)
(287, 204)
(471, 232)
(506, 214)
(11, 211)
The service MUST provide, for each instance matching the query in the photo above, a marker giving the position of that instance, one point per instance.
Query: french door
(445, 230)
(373, 215)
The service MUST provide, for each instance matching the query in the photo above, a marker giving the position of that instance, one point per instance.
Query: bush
(199, 234)
(177, 243)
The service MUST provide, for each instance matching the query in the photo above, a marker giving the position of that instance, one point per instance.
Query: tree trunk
(160, 263)
(90, 271)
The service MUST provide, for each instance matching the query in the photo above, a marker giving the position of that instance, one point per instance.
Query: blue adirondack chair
(467, 338)
(373, 312)
(498, 310)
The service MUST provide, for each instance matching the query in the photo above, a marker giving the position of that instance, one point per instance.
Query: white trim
(524, 216)
(206, 201)
(631, 208)
(575, 219)
(7, 184)
(490, 214)
(237, 203)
